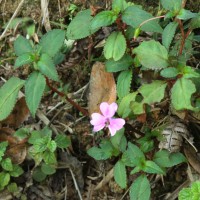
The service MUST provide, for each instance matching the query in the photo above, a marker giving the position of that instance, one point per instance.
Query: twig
(14, 15)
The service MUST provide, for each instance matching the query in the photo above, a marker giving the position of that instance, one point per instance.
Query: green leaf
(124, 106)
(120, 5)
(189, 72)
(152, 55)
(152, 168)
(22, 46)
(140, 189)
(115, 46)
(153, 92)
(195, 22)
(12, 187)
(77, 29)
(41, 144)
(170, 72)
(47, 169)
(49, 157)
(120, 174)
(124, 83)
(7, 164)
(35, 136)
(134, 16)
(8, 96)
(22, 133)
(168, 34)
(47, 67)
(38, 175)
(3, 146)
(104, 18)
(123, 64)
(34, 88)
(17, 171)
(174, 5)
(137, 107)
(52, 146)
(146, 144)
(4, 178)
(23, 59)
(176, 158)
(186, 14)
(117, 138)
(52, 42)
(181, 93)
(62, 141)
(161, 158)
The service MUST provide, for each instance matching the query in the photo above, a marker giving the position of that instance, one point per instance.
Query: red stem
(83, 111)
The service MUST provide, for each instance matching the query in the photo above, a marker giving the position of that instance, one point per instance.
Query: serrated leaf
(38, 175)
(23, 59)
(104, 18)
(123, 64)
(49, 157)
(195, 22)
(34, 88)
(170, 72)
(52, 42)
(153, 92)
(120, 174)
(152, 55)
(168, 34)
(189, 72)
(17, 171)
(124, 106)
(181, 93)
(22, 133)
(8, 96)
(115, 46)
(62, 141)
(186, 14)
(47, 67)
(174, 5)
(3, 146)
(77, 29)
(52, 146)
(22, 46)
(120, 5)
(47, 169)
(152, 168)
(140, 189)
(7, 164)
(134, 16)
(4, 178)
(124, 83)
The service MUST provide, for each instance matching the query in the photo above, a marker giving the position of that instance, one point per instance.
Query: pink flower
(106, 119)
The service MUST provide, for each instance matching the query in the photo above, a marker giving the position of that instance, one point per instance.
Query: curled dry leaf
(16, 149)
(19, 114)
(102, 87)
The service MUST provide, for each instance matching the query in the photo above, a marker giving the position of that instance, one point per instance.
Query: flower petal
(115, 125)
(108, 110)
(97, 119)
(98, 127)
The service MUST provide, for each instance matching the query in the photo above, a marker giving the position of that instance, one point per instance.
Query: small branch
(83, 111)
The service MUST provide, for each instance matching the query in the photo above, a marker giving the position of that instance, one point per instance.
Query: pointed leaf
(140, 189)
(47, 67)
(22, 46)
(137, 107)
(23, 59)
(181, 94)
(34, 88)
(174, 5)
(8, 96)
(186, 14)
(170, 72)
(4, 179)
(120, 174)
(134, 16)
(195, 22)
(152, 168)
(115, 46)
(152, 55)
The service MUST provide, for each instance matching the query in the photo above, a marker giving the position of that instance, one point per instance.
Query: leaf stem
(148, 20)
(78, 107)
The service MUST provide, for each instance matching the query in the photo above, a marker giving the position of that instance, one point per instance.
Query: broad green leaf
(123, 64)
(181, 93)
(168, 34)
(38, 175)
(35, 136)
(140, 189)
(22, 46)
(17, 171)
(3, 146)
(12, 187)
(23, 59)
(134, 16)
(152, 168)
(49, 157)
(4, 178)
(22, 133)
(161, 158)
(153, 92)
(189, 72)
(152, 55)
(62, 141)
(8, 96)
(41, 144)
(176, 158)
(104, 18)
(52, 146)
(48, 169)
(170, 72)
(34, 88)
(52, 42)
(137, 107)
(186, 14)
(174, 5)
(146, 144)
(47, 67)
(126, 159)
(195, 22)
(98, 153)
(115, 46)
(124, 106)
(77, 29)
(120, 174)
(120, 5)
(7, 164)
(124, 83)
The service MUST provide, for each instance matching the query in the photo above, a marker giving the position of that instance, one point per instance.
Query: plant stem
(83, 111)
(148, 20)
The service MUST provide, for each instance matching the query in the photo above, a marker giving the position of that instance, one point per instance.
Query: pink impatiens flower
(106, 119)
